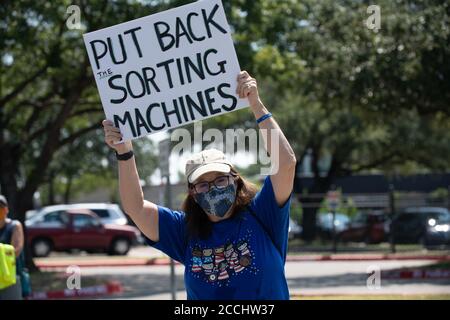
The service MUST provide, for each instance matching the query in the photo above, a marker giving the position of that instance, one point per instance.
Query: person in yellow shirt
(11, 232)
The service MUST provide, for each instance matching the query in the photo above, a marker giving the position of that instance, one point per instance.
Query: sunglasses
(220, 182)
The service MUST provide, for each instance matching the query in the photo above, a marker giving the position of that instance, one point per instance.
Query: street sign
(333, 198)
(164, 154)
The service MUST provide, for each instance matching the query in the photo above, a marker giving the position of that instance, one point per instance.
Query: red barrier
(417, 274)
(111, 287)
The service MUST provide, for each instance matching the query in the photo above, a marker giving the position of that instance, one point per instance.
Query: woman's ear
(192, 193)
(193, 197)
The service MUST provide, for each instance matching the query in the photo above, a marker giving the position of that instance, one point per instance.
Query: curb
(166, 261)
(103, 263)
(109, 288)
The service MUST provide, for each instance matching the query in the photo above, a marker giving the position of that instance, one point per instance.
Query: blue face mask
(217, 201)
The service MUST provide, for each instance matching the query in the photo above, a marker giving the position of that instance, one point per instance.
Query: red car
(368, 228)
(79, 229)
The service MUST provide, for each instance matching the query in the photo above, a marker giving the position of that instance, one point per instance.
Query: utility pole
(164, 154)
(333, 198)
(391, 224)
(448, 198)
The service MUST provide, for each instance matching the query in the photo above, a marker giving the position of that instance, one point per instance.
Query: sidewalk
(147, 256)
(306, 280)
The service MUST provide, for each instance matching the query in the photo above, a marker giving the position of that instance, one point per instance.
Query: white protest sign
(166, 70)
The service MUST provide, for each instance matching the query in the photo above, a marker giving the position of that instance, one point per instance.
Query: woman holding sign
(231, 238)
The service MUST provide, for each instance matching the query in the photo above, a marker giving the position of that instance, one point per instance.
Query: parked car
(108, 213)
(365, 227)
(79, 229)
(425, 225)
(438, 232)
(30, 213)
(295, 230)
(325, 224)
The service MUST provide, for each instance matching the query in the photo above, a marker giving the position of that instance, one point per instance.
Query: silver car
(108, 213)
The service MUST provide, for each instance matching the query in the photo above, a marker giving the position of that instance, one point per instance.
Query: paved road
(153, 282)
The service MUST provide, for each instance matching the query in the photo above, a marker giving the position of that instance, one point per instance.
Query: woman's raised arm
(281, 154)
(144, 213)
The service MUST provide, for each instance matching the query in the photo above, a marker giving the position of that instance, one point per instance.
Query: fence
(358, 206)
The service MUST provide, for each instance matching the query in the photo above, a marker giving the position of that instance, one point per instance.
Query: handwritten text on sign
(167, 69)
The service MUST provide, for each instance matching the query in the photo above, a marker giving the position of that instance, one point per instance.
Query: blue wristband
(264, 117)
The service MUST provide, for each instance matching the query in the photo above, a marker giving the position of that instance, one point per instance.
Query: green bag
(24, 275)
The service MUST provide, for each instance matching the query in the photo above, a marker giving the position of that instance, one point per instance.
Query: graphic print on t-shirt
(220, 264)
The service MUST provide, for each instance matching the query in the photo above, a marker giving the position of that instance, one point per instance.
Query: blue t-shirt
(242, 259)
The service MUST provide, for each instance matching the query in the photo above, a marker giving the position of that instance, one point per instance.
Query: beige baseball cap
(206, 161)
(3, 201)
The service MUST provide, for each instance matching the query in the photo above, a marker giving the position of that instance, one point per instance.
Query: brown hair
(198, 224)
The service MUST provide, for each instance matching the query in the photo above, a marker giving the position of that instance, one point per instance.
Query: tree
(48, 100)
(51, 103)
(89, 164)
(365, 100)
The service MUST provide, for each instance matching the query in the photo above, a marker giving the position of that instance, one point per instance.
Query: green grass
(438, 265)
(374, 297)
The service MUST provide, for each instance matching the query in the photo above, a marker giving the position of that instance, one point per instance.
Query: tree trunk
(309, 221)
(68, 189)
(310, 205)
(8, 172)
(321, 185)
(26, 203)
(51, 189)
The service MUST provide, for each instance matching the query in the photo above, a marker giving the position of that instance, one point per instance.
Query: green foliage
(367, 101)
(49, 104)
(296, 212)
(252, 171)
(440, 194)
(88, 164)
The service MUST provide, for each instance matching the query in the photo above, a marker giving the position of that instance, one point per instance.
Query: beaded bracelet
(264, 117)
